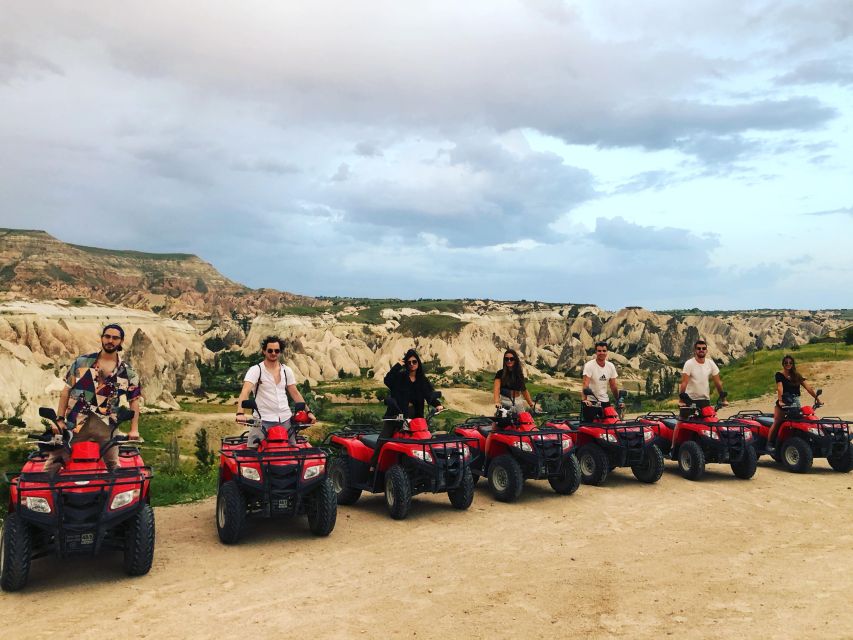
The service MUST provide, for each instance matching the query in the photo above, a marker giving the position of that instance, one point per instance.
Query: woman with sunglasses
(408, 385)
(271, 381)
(788, 383)
(511, 379)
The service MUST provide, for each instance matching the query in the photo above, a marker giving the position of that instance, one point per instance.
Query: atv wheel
(745, 469)
(230, 512)
(570, 477)
(322, 509)
(341, 478)
(139, 542)
(691, 460)
(15, 549)
(651, 468)
(843, 462)
(398, 492)
(594, 464)
(505, 478)
(796, 455)
(462, 497)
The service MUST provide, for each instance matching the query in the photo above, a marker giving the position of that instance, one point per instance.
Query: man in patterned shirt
(94, 386)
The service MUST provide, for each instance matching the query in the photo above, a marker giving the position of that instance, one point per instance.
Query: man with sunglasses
(94, 385)
(599, 374)
(694, 378)
(271, 381)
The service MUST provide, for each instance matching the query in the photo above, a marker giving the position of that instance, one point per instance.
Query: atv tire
(570, 477)
(691, 460)
(15, 553)
(463, 496)
(506, 480)
(139, 542)
(398, 492)
(230, 512)
(594, 464)
(339, 474)
(796, 455)
(650, 469)
(842, 462)
(745, 468)
(322, 508)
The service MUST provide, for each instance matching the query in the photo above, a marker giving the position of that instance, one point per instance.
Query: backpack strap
(260, 372)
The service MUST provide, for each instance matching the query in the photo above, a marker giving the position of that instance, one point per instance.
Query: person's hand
(240, 418)
(724, 403)
(312, 416)
(439, 408)
(134, 435)
(587, 401)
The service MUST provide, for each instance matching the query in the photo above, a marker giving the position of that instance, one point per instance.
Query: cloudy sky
(664, 153)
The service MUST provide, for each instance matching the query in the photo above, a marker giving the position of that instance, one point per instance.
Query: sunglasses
(509, 359)
(701, 348)
(787, 362)
(273, 350)
(411, 361)
(109, 337)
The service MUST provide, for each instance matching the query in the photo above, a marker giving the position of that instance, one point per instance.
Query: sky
(664, 153)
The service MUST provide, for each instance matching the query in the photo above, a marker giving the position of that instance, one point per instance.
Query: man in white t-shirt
(271, 382)
(695, 375)
(598, 375)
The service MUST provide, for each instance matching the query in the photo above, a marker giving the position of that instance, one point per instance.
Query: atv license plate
(87, 538)
(283, 504)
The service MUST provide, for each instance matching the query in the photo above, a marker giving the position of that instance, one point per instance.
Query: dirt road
(724, 558)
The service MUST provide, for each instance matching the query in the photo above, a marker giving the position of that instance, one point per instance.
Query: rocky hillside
(178, 311)
(34, 264)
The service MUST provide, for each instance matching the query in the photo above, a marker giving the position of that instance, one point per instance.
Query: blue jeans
(256, 434)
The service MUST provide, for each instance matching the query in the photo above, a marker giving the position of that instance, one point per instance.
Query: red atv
(803, 436)
(410, 462)
(82, 510)
(279, 478)
(511, 449)
(703, 438)
(607, 442)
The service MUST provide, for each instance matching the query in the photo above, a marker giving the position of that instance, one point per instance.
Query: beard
(110, 347)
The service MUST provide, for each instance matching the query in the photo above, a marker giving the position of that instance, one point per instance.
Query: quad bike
(702, 438)
(411, 461)
(83, 509)
(281, 477)
(607, 442)
(510, 449)
(802, 436)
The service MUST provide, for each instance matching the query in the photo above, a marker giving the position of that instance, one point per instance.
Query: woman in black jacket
(409, 387)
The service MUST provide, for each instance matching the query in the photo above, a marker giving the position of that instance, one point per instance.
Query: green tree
(204, 456)
(848, 336)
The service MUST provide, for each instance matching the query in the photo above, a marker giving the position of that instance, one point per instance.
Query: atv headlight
(648, 434)
(466, 451)
(608, 437)
(124, 498)
(710, 434)
(250, 473)
(312, 472)
(39, 505)
(815, 431)
(747, 435)
(524, 446)
(422, 454)
(566, 444)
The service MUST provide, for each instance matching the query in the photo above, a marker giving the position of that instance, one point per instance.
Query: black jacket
(410, 396)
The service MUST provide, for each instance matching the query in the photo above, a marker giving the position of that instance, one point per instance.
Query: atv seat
(370, 439)
(669, 422)
(485, 429)
(766, 421)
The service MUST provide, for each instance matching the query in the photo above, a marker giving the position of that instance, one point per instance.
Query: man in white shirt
(695, 375)
(598, 375)
(271, 382)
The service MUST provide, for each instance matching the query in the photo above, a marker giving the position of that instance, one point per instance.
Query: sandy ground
(725, 558)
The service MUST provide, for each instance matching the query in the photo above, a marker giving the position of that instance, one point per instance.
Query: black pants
(389, 428)
(687, 412)
(588, 414)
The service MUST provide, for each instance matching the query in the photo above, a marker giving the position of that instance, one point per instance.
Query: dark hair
(419, 374)
(698, 342)
(796, 376)
(512, 378)
(269, 339)
(602, 343)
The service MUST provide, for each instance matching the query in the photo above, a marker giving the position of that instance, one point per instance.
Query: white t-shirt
(599, 378)
(271, 397)
(697, 385)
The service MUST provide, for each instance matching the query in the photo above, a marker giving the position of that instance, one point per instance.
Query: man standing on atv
(271, 381)
(598, 375)
(694, 379)
(93, 386)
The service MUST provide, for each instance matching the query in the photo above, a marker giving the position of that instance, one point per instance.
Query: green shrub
(430, 325)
